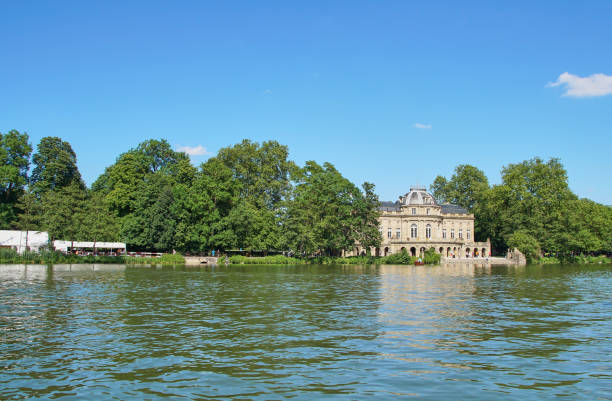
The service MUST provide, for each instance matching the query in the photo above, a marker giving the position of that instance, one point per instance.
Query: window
(468, 233)
(452, 233)
(413, 231)
(460, 233)
(398, 233)
(444, 233)
(427, 210)
(389, 233)
(414, 210)
(428, 231)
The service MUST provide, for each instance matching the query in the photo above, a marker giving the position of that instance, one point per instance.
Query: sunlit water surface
(273, 332)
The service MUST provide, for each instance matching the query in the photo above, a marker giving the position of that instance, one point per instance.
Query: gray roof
(389, 206)
(448, 208)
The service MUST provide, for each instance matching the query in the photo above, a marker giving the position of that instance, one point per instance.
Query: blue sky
(394, 93)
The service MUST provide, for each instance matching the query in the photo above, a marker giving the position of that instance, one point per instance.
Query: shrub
(525, 243)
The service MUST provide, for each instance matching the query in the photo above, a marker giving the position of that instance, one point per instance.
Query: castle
(416, 222)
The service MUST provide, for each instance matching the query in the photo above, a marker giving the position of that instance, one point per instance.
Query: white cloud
(593, 85)
(193, 150)
(422, 126)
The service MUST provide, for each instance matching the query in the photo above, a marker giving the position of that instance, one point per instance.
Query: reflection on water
(261, 332)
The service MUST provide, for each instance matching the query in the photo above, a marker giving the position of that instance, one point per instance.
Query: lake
(86, 332)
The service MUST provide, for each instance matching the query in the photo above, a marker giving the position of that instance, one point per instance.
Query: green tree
(262, 174)
(63, 212)
(55, 166)
(151, 225)
(99, 223)
(525, 243)
(366, 210)
(328, 214)
(466, 187)
(30, 217)
(158, 155)
(14, 164)
(262, 171)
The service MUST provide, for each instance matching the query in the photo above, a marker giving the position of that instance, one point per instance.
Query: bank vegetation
(251, 199)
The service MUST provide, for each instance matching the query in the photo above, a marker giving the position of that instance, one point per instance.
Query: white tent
(65, 246)
(23, 240)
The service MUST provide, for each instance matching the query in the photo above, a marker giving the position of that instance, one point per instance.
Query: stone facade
(417, 222)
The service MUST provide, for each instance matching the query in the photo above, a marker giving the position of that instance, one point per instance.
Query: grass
(402, 258)
(54, 257)
(575, 259)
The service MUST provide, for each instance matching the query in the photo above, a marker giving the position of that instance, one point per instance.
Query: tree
(525, 243)
(63, 212)
(366, 209)
(157, 155)
(466, 187)
(55, 166)
(440, 189)
(262, 171)
(14, 164)
(29, 218)
(99, 222)
(328, 214)
(262, 176)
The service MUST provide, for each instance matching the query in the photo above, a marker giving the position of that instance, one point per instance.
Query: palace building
(416, 222)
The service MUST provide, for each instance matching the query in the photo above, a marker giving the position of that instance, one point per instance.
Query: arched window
(413, 231)
(428, 231)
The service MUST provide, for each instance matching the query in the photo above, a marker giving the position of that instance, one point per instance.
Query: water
(275, 332)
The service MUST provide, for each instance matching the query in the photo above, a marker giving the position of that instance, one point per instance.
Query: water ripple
(270, 332)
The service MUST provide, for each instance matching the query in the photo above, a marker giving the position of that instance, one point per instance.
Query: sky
(390, 92)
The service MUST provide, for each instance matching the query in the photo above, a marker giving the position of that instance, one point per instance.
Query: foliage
(468, 188)
(63, 212)
(53, 257)
(431, 257)
(525, 243)
(98, 223)
(533, 199)
(399, 258)
(327, 214)
(55, 166)
(165, 259)
(575, 259)
(14, 164)
(465, 188)
(250, 196)
(266, 260)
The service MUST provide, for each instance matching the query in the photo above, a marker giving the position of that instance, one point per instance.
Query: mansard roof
(389, 206)
(447, 208)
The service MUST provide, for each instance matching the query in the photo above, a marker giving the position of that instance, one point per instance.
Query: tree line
(249, 197)
(533, 209)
